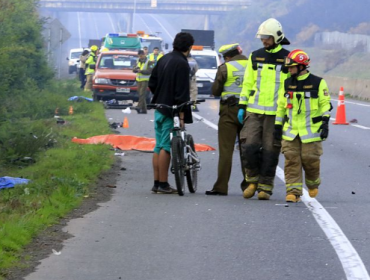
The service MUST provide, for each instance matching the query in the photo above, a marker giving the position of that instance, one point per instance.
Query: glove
(241, 115)
(324, 128)
(278, 132)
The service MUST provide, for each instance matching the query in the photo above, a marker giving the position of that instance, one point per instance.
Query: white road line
(164, 28)
(355, 125)
(79, 29)
(149, 29)
(111, 22)
(355, 103)
(352, 263)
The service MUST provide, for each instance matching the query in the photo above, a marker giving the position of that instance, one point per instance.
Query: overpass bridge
(146, 6)
(200, 7)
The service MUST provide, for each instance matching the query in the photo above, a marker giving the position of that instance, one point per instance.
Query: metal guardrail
(145, 6)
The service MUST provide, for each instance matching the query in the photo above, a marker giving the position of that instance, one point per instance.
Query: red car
(114, 78)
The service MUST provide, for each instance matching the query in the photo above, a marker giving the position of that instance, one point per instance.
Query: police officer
(89, 73)
(193, 81)
(264, 79)
(155, 56)
(143, 69)
(228, 85)
(306, 108)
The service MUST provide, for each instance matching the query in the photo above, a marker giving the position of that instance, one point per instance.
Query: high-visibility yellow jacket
(91, 60)
(145, 69)
(264, 80)
(235, 75)
(155, 58)
(301, 108)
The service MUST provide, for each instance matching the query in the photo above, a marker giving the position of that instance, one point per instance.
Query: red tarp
(128, 142)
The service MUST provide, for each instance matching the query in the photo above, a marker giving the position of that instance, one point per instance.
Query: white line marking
(79, 29)
(355, 103)
(149, 29)
(352, 264)
(164, 28)
(355, 125)
(111, 22)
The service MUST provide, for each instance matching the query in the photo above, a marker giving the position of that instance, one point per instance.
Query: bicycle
(185, 160)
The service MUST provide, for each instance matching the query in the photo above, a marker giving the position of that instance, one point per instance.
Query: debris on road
(9, 182)
(80, 98)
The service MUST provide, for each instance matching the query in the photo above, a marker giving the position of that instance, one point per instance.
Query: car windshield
(151, 44)
(205, 61)
(117, 61)
(75, 55)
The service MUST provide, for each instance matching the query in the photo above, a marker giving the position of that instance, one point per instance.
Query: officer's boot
(313, 192)
(290, 197)
(263, 195)
(250, 190)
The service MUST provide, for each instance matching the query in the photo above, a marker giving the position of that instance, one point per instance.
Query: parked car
(114, 78)
(74, 60)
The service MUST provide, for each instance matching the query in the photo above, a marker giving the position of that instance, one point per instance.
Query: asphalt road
(139, 235)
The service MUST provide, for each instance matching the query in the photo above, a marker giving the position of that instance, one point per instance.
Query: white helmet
(271, 27)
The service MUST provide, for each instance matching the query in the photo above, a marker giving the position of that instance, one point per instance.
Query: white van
(74, 60)
(208, 62)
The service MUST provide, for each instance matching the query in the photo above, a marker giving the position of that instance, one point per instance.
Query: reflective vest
(235, 76)
(264, 80)
(155, 58)
(91, 60)
(143, 66)
(305, 101)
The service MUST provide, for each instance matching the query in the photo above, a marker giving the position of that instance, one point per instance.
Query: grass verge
(60, 179)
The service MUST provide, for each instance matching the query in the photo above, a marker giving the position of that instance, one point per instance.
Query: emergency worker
(193, 81)
(155, 56)
(146, 51)
(143, 69)
(228, 85)
(305, 106)
(263, 81)
(83, 58)
(90, 72)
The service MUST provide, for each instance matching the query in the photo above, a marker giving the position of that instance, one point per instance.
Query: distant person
(228, 85)
(306, 98)
(146, 51)
(193, 81)
(263, 82)
(89, 73)
(143, 69)
(155, 56)
(83, 58)
(169, 83)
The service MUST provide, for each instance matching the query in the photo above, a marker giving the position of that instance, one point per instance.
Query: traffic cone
(125, 123)
(70, 110)
(341, 109)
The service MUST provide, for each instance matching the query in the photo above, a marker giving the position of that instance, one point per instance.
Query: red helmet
(297, 57)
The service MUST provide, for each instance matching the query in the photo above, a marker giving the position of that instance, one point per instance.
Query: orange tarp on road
(128, 142)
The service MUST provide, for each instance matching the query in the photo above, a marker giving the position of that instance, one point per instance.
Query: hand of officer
(278, 132)
(241, 115)
(324, 128)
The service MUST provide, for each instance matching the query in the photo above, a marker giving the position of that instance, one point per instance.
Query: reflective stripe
(294, 185)
(233, 88)
(243, 98)
(251, 179)
(310, 133)
(255, 105)
(313, 182)
(265, 187)
(279, 119)
(229, 95)
(326, 113)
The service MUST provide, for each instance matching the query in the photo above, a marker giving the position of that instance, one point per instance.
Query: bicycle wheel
(177, 146)
(192, 172)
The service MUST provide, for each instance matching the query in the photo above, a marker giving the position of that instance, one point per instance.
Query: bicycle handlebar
(174, 107)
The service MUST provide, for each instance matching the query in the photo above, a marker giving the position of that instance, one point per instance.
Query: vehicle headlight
(102, 81)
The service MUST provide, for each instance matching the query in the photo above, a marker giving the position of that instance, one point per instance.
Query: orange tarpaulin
(128, 142)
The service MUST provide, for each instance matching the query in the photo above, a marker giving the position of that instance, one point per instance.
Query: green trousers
(228, 130)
